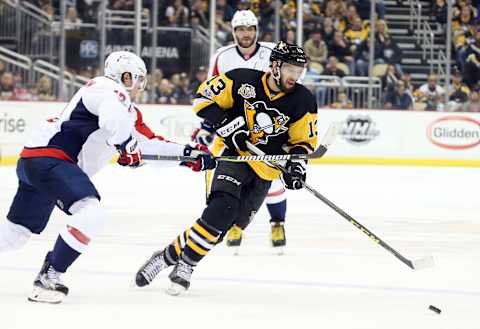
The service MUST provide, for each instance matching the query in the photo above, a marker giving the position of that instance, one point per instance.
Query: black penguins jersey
(278, 123)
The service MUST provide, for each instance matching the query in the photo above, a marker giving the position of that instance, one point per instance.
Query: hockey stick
(318, 153)
(417, 264)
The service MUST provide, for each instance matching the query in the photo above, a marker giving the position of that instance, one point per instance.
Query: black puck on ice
(435, 309)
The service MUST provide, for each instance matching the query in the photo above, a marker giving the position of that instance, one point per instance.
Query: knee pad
(86, 222)
(221, 211)
(276, 193)
(13, 236)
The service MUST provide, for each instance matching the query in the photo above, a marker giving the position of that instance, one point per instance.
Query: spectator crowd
(337, 41)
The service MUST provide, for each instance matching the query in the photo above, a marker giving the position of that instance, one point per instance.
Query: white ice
(332, 275)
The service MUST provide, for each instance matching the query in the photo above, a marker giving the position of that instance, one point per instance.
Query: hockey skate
(234, 238)
(180, 278)
(278, 237)
(148, 271)
(48, 287)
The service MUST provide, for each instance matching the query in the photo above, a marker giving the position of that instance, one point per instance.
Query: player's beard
(245, 42)
(286, 88)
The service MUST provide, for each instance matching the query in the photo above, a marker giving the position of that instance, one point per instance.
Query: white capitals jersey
(229, 58)
(98, 117)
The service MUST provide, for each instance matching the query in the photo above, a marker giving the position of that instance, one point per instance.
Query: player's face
(245, 36)
(135, 88)
(289, 74)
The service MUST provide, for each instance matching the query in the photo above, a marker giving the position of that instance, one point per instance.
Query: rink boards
(366, 136)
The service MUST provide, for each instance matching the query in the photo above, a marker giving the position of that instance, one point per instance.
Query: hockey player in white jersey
(247, 52)
(55, 167)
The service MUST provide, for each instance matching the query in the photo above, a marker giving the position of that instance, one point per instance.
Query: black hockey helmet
(287, 53)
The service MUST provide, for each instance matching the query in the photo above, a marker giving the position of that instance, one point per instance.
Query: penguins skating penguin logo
(264, 122)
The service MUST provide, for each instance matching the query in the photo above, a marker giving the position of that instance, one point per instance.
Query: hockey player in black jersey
(269, 110)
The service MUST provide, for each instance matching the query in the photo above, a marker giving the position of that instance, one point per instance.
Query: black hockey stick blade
(325, 143)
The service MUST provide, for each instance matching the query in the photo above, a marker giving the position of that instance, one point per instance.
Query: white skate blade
(236, 250)
(175, 289)
(423, 263)
(278, 250)
(41, 295)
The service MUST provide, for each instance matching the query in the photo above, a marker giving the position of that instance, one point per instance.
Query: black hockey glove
(204, 135)
(297, 173)
(234, 132)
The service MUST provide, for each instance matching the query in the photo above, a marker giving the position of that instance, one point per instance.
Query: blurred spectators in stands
(472, 65)
(459, 91)
(88, 10)
(362, 56)
(381, 31)
(224, 30)
(407, 80)
(72, 20)
(342, 102)
(332, 68)
(200, 11)
(182, 92)
(164, 93)
(178, 14)
(227, 10)
(473, 103)
(328, 30)
(363, 8)
(356, 33)
(2, 68)
(267, 36)
(340, 48)
(45, 89)
(398, 99)
(462, 29)
(390, 53)
(122, 4)
(156, 78)
(7, 87)
(200, 76)
(290, 37)
(316, 50)
(431, 94)
(390, 79)
(288, 15)
(439, 11)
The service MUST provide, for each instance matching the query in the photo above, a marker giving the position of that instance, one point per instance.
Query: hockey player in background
(55, 167)
(246, 52)
(269, 110)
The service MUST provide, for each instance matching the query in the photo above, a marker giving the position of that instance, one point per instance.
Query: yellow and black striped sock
(199, 240)
(174, 249)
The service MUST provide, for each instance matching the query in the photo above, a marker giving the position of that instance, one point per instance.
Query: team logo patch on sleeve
(247, 91)
(264, 122)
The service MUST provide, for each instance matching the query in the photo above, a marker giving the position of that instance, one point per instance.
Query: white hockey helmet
(120, 62)
(244, 18)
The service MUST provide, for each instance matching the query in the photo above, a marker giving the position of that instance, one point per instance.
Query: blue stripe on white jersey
(75, 131)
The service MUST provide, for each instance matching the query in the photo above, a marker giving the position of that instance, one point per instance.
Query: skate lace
(184, 271)
(153, 267)
(52, 278)
(235, 233)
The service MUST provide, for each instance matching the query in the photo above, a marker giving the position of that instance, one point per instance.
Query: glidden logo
(454, 132)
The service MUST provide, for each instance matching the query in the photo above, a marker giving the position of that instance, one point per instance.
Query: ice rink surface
(331, 276)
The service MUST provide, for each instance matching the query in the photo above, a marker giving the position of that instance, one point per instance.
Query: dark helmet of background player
(286, 53)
